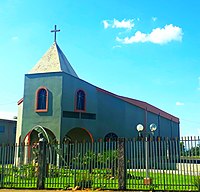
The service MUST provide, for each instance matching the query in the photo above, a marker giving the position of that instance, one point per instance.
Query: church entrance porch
(31, 142)
(71, 139)
(78, 135)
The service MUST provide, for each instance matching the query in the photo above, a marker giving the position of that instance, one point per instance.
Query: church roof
(53, 60)
(8, 119)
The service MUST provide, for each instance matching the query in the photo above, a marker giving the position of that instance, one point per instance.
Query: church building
(64, 107)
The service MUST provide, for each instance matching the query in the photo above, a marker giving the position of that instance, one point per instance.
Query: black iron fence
(134, 164)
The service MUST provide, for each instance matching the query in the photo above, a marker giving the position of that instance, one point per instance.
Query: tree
(194, 151)
(182, 149)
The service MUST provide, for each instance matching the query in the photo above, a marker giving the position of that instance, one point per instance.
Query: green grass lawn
(26, 177)
(162, 181)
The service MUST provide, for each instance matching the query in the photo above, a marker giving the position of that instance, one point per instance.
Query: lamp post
(140, 128)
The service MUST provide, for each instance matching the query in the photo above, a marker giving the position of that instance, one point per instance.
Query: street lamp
(140, 128)
(153, 128)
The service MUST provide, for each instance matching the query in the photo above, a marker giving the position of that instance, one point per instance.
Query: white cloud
(154, 18)
(116, 46)
(166, 34)
(178, 103)
(105, 24)
(125, 24)
(158, 36)
(138, 37)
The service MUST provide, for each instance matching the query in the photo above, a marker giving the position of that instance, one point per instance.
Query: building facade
(7, 131)
(63, 107)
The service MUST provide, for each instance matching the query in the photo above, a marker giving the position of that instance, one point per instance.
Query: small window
(42, 100)
(2, 129)
(88, 116)
(80, 100)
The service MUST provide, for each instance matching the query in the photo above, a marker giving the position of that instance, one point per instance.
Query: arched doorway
(78, 135)
(38, 129)
(31, 142)
(74, 138)
(111, 137)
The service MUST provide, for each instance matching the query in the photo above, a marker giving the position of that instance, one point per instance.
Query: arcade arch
(79, 135)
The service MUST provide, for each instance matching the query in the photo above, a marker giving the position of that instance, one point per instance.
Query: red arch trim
(89, 134)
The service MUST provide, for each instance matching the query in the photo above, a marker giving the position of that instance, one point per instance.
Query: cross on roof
(55, 31)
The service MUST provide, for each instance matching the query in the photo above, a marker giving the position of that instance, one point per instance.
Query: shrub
(197, 182)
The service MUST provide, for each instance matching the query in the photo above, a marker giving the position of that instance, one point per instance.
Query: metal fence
(133, 164)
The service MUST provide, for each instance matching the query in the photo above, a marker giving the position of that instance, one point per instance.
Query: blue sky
(146, 50)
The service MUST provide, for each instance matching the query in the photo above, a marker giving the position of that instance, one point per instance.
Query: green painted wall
(70, 86)
(50, 119)
(112, 114)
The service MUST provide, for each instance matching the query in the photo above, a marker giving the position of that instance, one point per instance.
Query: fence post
(41, 162)
(121, 164)
(2, 165)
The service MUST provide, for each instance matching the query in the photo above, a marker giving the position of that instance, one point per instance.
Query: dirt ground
(35, 190)
(27, 190)
(61, 190)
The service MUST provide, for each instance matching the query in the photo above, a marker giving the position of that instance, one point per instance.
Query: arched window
(80, 100)
(111, 137)
(42, 100)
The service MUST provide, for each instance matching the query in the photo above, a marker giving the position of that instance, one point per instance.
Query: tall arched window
(42, 100)
(80, 100)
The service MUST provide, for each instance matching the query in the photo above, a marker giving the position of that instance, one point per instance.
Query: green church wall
(168, 128)
(70, 87)
(51, 118)
(121, 117)
(175, 130)
(112, 114)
